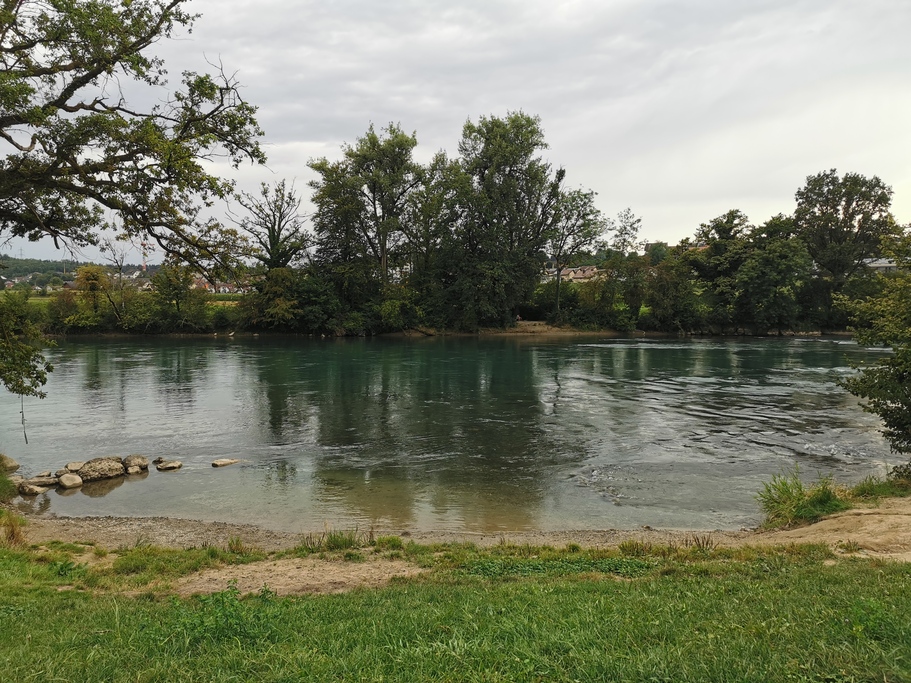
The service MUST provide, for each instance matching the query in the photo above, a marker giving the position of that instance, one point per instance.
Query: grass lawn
(508, 613)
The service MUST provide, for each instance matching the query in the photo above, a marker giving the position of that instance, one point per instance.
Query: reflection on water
(469, 434)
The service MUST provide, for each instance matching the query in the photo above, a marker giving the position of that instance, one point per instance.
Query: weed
(8, 489)
(573, 548)
(236, 546)
(635, 548)
(223, 617)
(873, 488)
(68, 569)
(343, 540)
(353, 556)
(703, 543)
(11, 525)
(786, 501)
(503, 567)
(901, 472)
(849, 546)
(333, 540)
(389, 543)
(100, 552)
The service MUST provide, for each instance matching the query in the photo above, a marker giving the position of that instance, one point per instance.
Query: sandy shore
(882, 530)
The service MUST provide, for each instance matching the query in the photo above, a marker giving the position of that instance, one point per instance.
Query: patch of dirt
(298, 576)
(882, 531)
(124, 532)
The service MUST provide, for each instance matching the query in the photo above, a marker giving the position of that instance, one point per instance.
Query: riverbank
(882, 530)
(690, 609)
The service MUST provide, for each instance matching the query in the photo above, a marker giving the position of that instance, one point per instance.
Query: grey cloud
(679, 109)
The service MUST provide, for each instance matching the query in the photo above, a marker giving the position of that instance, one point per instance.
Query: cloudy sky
(679, 109)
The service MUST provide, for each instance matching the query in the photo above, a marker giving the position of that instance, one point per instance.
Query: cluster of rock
(75, 474)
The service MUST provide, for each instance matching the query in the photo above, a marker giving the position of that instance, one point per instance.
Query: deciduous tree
(578, 226)
(76, 149)
(275, 224)
(886, 319)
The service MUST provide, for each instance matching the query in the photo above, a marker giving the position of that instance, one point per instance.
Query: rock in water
(41, 481)
(70, 481)
(168, 465)
(27, 489)
(7, 464)
(74, 466)
(139, 461)
(224, 462)
(101, 468)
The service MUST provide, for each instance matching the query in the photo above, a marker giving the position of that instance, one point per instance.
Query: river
(456, 434)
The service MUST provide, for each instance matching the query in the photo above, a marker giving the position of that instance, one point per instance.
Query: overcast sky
(680, 110)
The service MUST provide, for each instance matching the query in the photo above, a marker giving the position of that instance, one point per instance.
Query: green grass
(7, 488)
(873, 488)
(509, 613)
(787, 501)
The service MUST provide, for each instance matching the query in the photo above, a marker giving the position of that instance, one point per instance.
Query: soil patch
(298, 576)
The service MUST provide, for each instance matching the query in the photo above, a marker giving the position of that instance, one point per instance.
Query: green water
(458, 434)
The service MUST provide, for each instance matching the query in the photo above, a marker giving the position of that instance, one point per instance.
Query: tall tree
(509, 200)
(771, 277)
(275, 224)
(23, 369)
(368, 191)
(626, 231)
(75, 151)
(722, 250)
(842, 221)
(578, 226)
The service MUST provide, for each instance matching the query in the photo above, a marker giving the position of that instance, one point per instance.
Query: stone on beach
(27, 489)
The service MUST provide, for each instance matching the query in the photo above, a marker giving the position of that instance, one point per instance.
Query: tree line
(458, 243)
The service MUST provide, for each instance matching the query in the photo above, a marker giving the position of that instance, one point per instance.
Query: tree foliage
(509, 197)
(886, 319)
(842, 221)
(23, 369)
(578, 226)
(275, 225)
(76, 151)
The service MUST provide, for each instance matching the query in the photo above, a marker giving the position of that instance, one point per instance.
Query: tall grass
(11, 534)
(786, 501)
(7, 488)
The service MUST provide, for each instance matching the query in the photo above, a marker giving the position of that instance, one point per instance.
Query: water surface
(447, 433)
